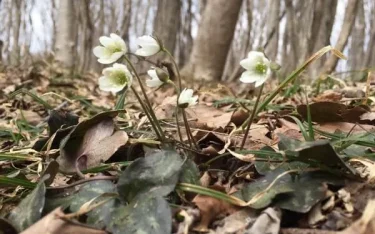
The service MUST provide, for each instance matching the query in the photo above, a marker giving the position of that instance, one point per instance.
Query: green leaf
(100, 215)
(321, 153)
(145, 214)
(309, 189)
(190, 173)
(260, 185)
(29, 210)
(156, 174)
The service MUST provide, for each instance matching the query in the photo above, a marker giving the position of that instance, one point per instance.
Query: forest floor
(70, 163)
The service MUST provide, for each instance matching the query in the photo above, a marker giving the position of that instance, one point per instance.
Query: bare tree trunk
(15, 54)
(273, 28)
(87, 29)
(65, 38)
(126, 19)
(213, 41)
(357, 41)
(185, 37)
(369, 60)
(167, 22)
(349, 18)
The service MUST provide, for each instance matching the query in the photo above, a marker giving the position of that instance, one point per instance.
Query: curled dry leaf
(90, 143)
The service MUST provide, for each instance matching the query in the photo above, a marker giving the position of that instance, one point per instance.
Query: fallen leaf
(364, 225)
(268, 222)
(53, 224)
(91, 142)
(211, 208)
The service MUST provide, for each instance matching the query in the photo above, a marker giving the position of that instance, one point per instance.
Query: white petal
(152, 73)
(255, 55)
(248, 64)
(153, 83)
(113, 58)
(105, 84)
(107, 71)
(147, 51)
(100, 51)
(106, 41)
(193, 101)
(119, 41)
(260, 82)
(144, 40)
(250, 77)
(120, 66)
(105, 60)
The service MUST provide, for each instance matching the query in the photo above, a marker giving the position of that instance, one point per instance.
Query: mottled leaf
(156, 174)
(145, 214)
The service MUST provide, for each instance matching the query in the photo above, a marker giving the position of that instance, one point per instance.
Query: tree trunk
(213, 41)
(167, 22)
(357, 41)
(342, 40)
(273, 29)
(15, 54)
(65, 38)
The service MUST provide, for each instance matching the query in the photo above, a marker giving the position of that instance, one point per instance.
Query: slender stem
(147, 113)
(188, 130)
(175, 64)
(177, 108)
(178, 125)
(253, 113)
(152, 114)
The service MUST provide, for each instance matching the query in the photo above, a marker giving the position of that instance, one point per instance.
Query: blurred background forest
(207, 37)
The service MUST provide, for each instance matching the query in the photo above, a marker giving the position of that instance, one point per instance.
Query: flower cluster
(117, 77)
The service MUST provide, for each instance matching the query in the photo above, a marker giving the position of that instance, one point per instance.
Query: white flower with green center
(187, 99)
(148, 46)
(111, 50)
(257, 68)
(154, 82)
(115, 78)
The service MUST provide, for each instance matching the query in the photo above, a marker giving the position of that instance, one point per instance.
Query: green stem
(177, 109)
(152, 114)
(147, 113)
(253, 114)
(188, 130)
(175, 64)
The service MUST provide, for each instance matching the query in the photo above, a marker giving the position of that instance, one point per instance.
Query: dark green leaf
(190, 173)
(251, 189)
(156, 174)
(145, 214)
(98, 216)
(29, 210)
(309, 189)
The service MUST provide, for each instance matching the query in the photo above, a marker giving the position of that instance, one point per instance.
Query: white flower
(112, 49)
(148, 46)
(154, 82)
(115, 78)
(257, 68)
(187, 99)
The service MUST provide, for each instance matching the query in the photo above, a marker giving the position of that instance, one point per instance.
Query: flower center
(114, 48)
(119, 78)
(261, 68)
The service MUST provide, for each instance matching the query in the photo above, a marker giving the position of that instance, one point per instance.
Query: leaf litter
(106, 182)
